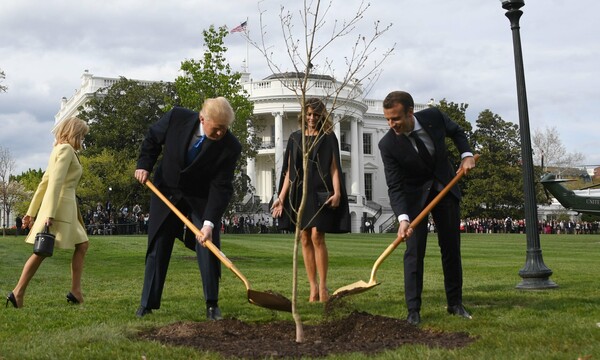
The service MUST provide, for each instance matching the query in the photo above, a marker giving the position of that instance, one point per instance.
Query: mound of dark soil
(358, 332)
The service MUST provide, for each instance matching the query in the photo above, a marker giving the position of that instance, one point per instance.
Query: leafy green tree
(119, 115)
(496, 185)
(456, 112)
(29, 180)
(211, 77)
(105, 179)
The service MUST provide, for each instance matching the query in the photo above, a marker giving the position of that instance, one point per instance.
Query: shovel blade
(270, 300)
(354, 288)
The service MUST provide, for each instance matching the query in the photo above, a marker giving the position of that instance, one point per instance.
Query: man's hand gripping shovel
(362, 286)
(268, 299)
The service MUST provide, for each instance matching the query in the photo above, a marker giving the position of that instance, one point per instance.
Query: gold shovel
(362, 286)
(269, 299)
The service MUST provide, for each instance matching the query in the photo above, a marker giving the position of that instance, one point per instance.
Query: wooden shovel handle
(425, 212)
(190, 225)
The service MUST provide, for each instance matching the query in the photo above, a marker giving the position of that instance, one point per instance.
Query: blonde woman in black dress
(326, 208)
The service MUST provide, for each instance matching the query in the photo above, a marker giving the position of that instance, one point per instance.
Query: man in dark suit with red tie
(199, 156)
(417, 168)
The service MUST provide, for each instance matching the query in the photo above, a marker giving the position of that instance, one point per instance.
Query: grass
(561, 323)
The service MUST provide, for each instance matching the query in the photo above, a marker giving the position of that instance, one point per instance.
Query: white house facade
(358, 124)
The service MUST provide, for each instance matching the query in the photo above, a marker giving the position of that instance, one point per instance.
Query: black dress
(324, 218)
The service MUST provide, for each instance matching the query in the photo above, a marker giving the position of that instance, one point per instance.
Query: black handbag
(322, 197)
(44, 243)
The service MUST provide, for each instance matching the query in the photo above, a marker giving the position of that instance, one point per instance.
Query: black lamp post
(109, 203)
(535, 274)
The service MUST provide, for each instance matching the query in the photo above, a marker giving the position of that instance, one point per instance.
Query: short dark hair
(398, 97)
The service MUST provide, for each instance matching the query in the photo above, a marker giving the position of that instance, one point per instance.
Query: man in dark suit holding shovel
(417, 168)
(196, 174)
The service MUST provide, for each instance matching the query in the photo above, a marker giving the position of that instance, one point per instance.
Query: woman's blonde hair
(71, 131)
(324, 124)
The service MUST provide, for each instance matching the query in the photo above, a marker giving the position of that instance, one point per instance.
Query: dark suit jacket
(206, 184)
(408, 178)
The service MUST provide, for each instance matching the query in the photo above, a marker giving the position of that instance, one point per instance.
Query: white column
(361, 161)
(337, 129)
(251, 162)
(354, 160)
(278, 142)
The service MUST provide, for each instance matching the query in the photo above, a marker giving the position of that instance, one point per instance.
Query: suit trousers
(159, 254)
(447, 219)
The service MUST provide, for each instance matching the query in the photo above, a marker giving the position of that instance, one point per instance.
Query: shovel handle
(190, 225)
(425, 212)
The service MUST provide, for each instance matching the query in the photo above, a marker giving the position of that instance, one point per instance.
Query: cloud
(28, 140)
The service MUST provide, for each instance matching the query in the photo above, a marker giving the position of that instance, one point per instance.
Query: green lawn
(563, 323)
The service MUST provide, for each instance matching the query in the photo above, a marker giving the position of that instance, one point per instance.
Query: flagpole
(247, 48)
(243, 27)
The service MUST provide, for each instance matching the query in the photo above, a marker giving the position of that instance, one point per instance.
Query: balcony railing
(267, 143)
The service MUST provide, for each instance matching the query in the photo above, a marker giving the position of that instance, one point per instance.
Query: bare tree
(549, 150)
(306, 58)
(7, 166)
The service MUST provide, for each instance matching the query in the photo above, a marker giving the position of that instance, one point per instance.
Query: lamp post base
(536, 276)
(536, 284)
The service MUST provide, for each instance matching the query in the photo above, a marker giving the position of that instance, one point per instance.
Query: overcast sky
(458, 50)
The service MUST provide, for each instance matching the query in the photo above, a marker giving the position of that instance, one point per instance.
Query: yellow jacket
(55, 198)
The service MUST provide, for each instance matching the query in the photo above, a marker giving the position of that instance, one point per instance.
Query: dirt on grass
(357, 332)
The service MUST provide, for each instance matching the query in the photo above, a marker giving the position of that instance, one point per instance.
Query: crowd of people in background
(244, 224)
(508, 225)
(104, 220)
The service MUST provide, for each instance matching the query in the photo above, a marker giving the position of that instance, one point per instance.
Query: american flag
(240, 28)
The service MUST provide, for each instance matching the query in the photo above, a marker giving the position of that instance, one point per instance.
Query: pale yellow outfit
(55, 198)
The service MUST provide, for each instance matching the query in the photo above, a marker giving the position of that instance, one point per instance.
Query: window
(369, 186)
(367, 148)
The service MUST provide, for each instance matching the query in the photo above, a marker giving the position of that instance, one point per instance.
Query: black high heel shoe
(71, 299)
(12, 299)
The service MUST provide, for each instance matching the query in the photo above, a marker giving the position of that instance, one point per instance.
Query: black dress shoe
(413, 318)
(213, 313)
(11, 297)
(460, 311)
(142, 311)
(71, 299)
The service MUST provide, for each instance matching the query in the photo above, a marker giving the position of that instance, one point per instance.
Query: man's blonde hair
(71, 131)
(218, 110)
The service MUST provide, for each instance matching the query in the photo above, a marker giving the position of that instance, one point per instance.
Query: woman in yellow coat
(55, 204)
